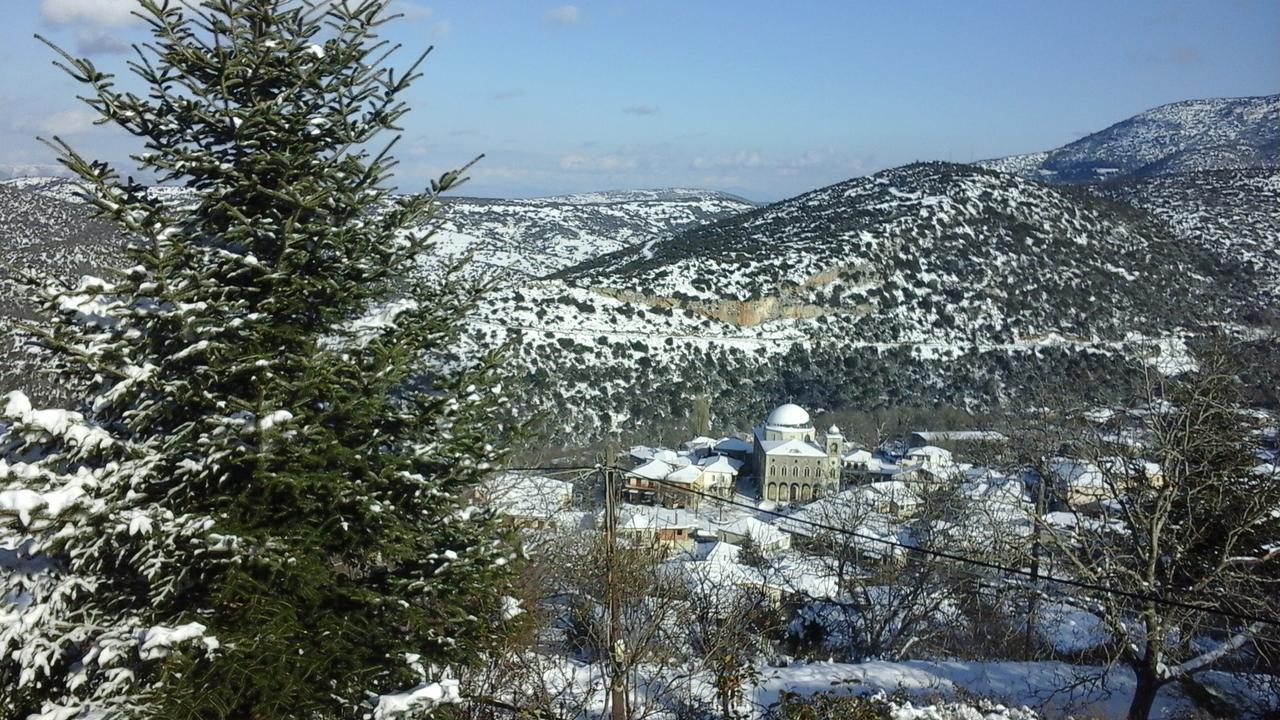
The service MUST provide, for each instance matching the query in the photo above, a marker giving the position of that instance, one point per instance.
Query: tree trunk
(1144, 694)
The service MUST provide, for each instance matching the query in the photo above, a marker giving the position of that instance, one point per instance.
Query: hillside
(531, 238)
(923, 284)
(1192, 135)
(46, 228)
(1233, 214)
(933, 248)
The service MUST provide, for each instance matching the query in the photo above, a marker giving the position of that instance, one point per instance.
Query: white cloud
(739, 159)
(564, 15)
(640, 110)
(442, 28)
(68, 122)
(98, 13)
(16, 170)
(91, 41)
(599, 163)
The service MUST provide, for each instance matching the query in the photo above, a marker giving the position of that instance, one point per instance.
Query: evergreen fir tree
(259, 511)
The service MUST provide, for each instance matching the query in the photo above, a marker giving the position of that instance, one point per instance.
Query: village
(803, 516)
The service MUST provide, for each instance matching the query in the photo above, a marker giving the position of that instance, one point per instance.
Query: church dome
(788, 415)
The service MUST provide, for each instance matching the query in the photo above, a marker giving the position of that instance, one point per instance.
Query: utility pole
(1033, 605)
(617, 644)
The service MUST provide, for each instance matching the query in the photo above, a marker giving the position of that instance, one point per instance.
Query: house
(930, 457)
(790, 461)
(673, 528)
(712, 572)
(1084, 484)
(932, 463)
(767, 539)
(862, 467)
(720, 475)
(736, 448)
(956, 440)
(529, 500)
(681, 486)
(640, 484)
(869, 518)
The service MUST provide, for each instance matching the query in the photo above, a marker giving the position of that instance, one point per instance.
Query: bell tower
(835, 442)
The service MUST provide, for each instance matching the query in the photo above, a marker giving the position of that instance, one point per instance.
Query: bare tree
(866, 595)
(1168, 502)
(730, 617)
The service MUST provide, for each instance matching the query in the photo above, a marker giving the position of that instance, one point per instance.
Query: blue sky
(764, 99)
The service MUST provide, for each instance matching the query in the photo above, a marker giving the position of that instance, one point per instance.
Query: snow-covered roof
(932, 436)
(759, 531)
(720, 464)
(931, 452)
(687, 475)
(652, 470)
(858, 456)
(788, 415)
(851, 512)
(642, 452)
(880, 466)
(1076, 473)
(701, 442)
(653, 517)
(733, 445)
(667, 456)
(807, 576)
(717, 551)
(791, 447)
(526, 495)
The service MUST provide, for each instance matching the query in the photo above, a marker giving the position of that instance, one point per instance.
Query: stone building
(791, 462)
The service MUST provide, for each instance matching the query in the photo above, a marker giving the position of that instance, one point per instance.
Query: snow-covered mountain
(1192, 135)
(927, 283)
(46, 228)
(1233, 214)
(532, 238)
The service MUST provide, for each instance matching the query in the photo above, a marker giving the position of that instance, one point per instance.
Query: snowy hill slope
(46, 228)
(531, 238)
(1234, 214)
(1208, 134)
(927, 283)
(932, 248)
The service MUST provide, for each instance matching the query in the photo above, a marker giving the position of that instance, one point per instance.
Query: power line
(942, 554)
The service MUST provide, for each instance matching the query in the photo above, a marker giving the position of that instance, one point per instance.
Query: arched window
(808, 491)
(795, 471)
(772, 493)
(795, 492)
(806, 472)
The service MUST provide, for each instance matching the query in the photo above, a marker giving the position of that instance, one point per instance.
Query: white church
(792, 463)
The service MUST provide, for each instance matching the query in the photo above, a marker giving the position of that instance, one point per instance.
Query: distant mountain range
(929, 283)
(1188, 136)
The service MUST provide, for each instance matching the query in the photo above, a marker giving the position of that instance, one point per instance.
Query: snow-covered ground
(932, 690)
